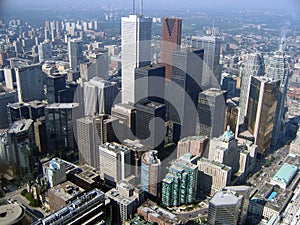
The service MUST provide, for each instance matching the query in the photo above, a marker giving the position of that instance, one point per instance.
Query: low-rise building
(154, 214)
(62, 194)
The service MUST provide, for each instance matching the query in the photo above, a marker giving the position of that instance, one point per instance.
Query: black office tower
(150, 83)
(150, 124)
(182, 93)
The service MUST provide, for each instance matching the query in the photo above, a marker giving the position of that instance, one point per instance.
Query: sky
(219, 4)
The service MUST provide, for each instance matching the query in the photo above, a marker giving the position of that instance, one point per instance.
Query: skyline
(229, 4)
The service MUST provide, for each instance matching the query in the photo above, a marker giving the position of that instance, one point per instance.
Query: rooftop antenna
(133, 7)
(141, 7)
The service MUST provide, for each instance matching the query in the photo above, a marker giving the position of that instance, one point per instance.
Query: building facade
(136, 51)
(171, 40)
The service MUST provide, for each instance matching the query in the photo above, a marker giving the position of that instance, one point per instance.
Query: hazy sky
(219, 4)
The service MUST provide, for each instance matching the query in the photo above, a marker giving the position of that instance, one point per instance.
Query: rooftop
(212, 92)
(11, 214)
(286, 173)
(66, 190)
(224, 198)
(192, 138)
(63, 105)
(20, 126)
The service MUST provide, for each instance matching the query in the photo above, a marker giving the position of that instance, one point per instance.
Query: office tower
(114, 162)
(211, 112)
(55, 172)
(224, 149)
(278, 69)
(261, 111)
(195, 145)
(244, 192)
(151, 174)
(124, 199)
(136, 51)
(187, 71)
(6, 97)
(75, 49)
(180, 184)
(224, 208)
(126, 115)
(60, 119)
(18, 111)
(229, 84)
(21, 156)
(92, 131)
(137, 150)
(44, 51)
(55, 82)
(213, 176)
(171, 40)
(150, 83)
(182, 96)
(254, 66)
(150, 124)
(97, 66)
(30, 83)
(211, 66)
(99, 96)
(84, 209)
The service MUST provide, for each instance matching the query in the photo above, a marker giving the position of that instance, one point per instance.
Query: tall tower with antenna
(136, 49)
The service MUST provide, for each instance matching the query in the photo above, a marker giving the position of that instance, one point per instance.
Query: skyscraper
(171, 40)
(136, 51)
(44, 51)
(30, 83)
(254, 66)
(59, 124)
(21, 156)
(151, 174)
(149, 128)
(278, 69)
(211, 112)
(99, 96)
(75, 53)
(261, 111)
(97, 66)
(211, 46)
(114, 162)
(5, 98)
(224, 208)
(180, 184)
(187, 75)
(55, 83)
(126, 115)
(92, 131)
(150, 83)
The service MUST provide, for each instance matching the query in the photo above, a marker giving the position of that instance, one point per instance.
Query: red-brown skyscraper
(171, 40)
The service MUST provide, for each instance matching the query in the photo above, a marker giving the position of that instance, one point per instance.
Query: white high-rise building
(99, 96)
(75, 53)
(114, 161)
(44, 51)
(136, 51)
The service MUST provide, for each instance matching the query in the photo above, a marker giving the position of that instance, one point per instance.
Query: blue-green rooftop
(286, 173)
